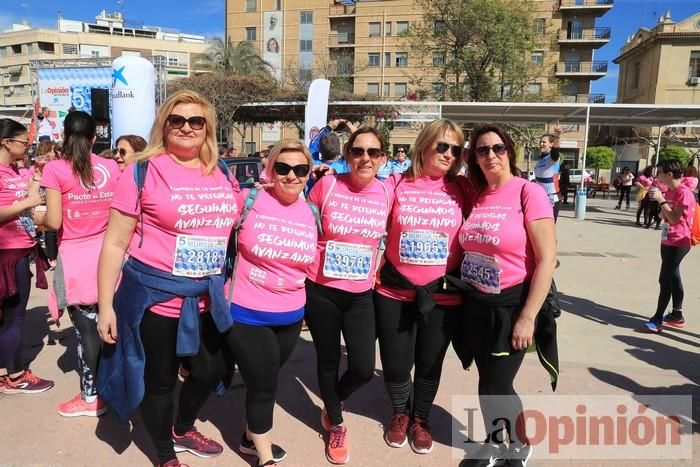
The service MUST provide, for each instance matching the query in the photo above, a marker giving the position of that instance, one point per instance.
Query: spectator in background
(547, 165)
(45, 126)
(565, 181)
(126, 148)
(401, 162)
(627, 178)
(643, 183)
(232, 152)
(223, 152)
(690, 178)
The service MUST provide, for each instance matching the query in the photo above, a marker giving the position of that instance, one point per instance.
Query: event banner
(64, 89)
(133, 96)
(316, 110)
(272, 42)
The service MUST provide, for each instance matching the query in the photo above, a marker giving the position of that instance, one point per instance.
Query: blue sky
(207, 17)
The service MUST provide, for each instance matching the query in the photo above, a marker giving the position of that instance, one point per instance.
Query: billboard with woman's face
(272, 42)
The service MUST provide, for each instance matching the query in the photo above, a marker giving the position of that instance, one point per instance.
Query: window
(372, 89)
(693, 66)
(249, 147)
(387, 58)
(387, 28)
(16, 49)
(373, 59)
(306, 45)
(70, 49)
(540, 25)
(305, 75)
(401, 27)
(46, 47)
(19, 90)
(306, 17)
(438, 90)
(401, 59)
(375, 29)
(537, 57)
(3, 52)
(251, 34)
(534, 88)
(94, 53)
(635, 75)
(30, 49)
(439, 59)
(400, 89)
(278, 5)
(439, 26)
(251, 5)
(387, 89)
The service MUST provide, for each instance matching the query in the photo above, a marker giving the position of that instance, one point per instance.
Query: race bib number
(197, 256)
(423, 247)
(481, 272)
(347, 261)
(664, 231)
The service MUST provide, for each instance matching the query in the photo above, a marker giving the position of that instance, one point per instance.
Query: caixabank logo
(121, 91)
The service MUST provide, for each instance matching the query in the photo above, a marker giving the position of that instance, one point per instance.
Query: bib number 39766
(481, 272)
(347, 261)
(199, 256)
(423, 247)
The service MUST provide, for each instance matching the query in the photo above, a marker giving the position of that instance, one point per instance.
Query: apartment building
(109, 36)
(358, 45)
(661, 66)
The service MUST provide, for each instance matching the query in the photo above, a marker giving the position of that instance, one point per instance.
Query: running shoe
(173, 463)
(27, 383)
(421, 439)
(674, 320)
(337, 451)
(485, 455)
(325, 420)
(77, 407)
(519, 456)
(395, 436)
(196, 443)
(654, 325)
(248, 447)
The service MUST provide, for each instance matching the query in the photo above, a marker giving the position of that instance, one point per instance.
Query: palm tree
(240, 59)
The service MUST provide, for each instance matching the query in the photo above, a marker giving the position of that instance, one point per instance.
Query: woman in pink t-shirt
(79, 189)
(172, 212)
(276, 247)
(414, 315)
(509, 244)
(677, 207)
(354, 209)
(17, 198)
(643, 183)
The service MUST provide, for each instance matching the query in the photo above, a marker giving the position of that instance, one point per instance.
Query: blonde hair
(208, 153)
(428, 135)
(290, 145)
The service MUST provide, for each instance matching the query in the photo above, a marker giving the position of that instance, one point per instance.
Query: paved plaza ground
(608, 281)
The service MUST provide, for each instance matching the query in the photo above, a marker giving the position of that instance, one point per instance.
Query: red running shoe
(196, 443)
(421, 439)
(28, 383)
(395, 436)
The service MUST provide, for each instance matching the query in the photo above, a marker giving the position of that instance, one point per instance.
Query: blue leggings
(14, 309)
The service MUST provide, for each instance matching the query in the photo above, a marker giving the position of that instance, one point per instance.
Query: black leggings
(407, 337)
(670, 278)
(654, 213)
(329, 312)
(14, 309)
(625, 191)
(84, 319)
(260, 352)
(207, 368)
(496, 376)
(643, 209)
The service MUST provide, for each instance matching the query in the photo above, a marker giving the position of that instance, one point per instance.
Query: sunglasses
(400, 150)
(498, 149)
(119, 151)
(443, 147)
(301, 170)
(178, 121)
(374, 153)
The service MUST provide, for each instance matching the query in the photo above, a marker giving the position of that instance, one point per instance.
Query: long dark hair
(475, 174)
(79, 131)
(10, 128)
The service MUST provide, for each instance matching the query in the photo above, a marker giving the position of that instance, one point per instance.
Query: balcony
(341, 9)
(595, 37)
(589, 70)
(583, 99)
(598, 7)
(341, 39)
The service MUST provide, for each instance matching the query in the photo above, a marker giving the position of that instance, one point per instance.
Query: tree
(240, 59)
(479, 47)
(600, 157)
(671, 151)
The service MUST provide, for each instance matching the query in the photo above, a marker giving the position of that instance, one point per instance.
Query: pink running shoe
(77, 407)
(196, 443)
(28, 383)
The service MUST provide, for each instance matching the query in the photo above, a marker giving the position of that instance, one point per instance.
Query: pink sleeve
(317, 192)
(126, 196)
(535, 203)
(49, 178)
(687, 199)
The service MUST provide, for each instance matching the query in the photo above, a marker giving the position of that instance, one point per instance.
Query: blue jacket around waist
(120, 378)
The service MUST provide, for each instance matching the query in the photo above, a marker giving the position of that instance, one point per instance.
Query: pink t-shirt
(422, 244)
(645, 181)
(690, 182)
(187, 220)
(85, 211)
(353, 223)
(497, 253)
(13, 188)
(276, 246)
(679, 234)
